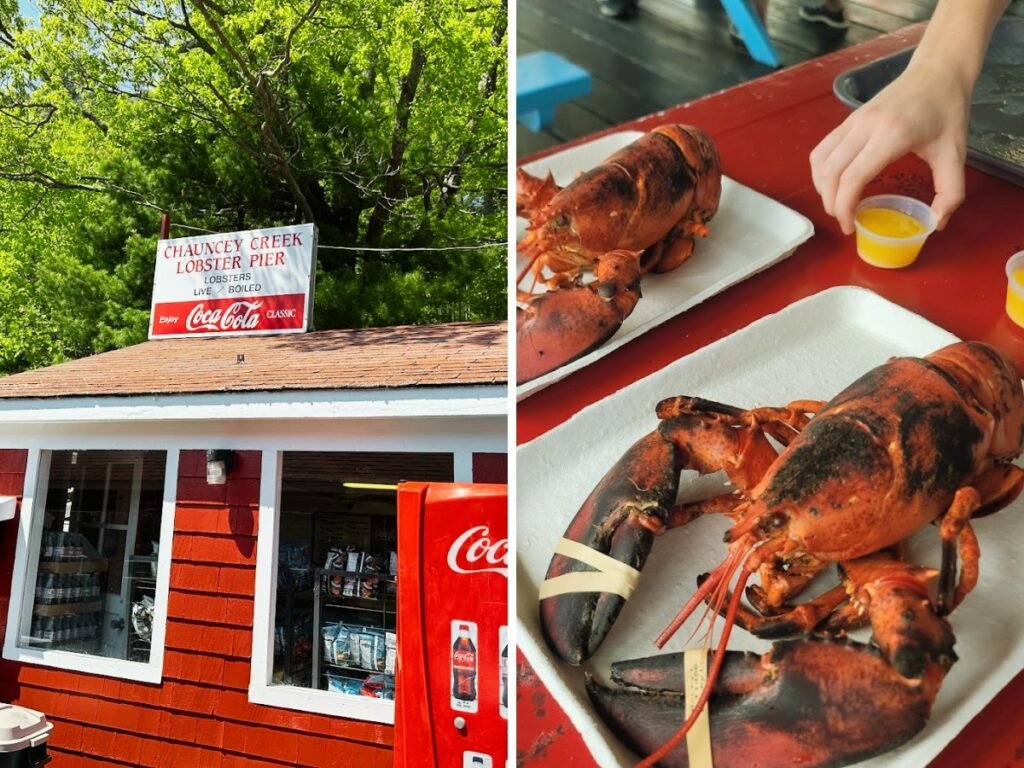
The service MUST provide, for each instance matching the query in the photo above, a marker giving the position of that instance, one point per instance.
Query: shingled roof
(456, 354)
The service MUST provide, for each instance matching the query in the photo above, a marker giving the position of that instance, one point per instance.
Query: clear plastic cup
(891, 229)
(1015, 288)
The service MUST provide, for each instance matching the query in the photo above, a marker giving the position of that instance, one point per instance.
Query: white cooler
(23, 737)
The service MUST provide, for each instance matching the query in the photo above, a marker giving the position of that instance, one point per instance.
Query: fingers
(828, 160)
(841, 174)
(859, 171)
(948, 173)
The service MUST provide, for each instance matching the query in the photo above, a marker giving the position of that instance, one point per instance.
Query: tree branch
(399, 140)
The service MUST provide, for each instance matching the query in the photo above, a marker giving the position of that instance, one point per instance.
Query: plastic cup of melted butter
(1015, 288)
(891, 229)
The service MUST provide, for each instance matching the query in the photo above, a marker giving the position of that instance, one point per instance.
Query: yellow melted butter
(889, 223)
(1014, 301)
(885, 222)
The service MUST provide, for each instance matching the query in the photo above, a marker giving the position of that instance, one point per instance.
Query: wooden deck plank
(675, 51)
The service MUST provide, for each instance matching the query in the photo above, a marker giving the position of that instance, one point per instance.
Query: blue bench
(752, 30)
(544, 80)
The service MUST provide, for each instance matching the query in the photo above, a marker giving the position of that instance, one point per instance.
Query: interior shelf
(73, 566)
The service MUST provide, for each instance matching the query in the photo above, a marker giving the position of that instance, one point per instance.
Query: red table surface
(765, 130)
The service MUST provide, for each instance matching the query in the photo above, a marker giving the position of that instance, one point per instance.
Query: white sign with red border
(250, 283)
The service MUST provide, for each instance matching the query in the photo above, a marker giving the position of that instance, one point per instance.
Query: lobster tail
(700, 154)
(991, 382)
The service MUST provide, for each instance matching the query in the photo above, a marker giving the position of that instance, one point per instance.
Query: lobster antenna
(713, 671)
(531, 260)
(714, 604)
(724, 570)
(720, 598)
(695, 599)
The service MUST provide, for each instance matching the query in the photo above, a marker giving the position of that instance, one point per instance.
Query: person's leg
(830, 12)
(619, 9)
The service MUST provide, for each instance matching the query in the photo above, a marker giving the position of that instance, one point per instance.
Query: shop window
(91, 599)
(335, 608)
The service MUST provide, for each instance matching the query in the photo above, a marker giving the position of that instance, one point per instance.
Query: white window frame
(261, 689)
(26, 565)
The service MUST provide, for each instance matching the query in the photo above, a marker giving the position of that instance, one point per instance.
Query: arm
(924, 111)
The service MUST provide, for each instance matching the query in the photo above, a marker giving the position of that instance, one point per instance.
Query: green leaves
(234, 115)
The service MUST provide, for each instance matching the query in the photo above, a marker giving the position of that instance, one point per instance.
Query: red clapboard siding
(199, 716)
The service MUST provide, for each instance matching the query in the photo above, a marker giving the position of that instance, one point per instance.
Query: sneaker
(619, 9)
(819, 14)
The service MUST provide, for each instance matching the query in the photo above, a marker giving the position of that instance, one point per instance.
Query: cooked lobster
(912, 442)
(589, 243)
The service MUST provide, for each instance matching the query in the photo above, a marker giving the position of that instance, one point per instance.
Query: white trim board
(477, 434)
(333, 404)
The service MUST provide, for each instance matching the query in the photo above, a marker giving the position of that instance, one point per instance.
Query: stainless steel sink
(995, 136)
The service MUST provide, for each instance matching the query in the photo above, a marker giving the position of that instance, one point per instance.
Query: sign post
(235, 284)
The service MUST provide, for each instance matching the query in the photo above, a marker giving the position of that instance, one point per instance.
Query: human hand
(924, 111)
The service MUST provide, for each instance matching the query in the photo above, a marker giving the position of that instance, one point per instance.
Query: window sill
(324, 702)
(84, 663)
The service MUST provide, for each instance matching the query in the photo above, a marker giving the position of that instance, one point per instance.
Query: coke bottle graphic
(464, 670)
(504, 677)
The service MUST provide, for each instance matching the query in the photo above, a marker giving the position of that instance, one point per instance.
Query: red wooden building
(174, 502)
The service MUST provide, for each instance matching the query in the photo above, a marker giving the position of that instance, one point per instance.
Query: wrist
(940, 71)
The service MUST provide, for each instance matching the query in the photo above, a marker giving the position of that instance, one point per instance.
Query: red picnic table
(765, 130)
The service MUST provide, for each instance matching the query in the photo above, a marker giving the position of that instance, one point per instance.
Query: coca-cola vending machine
(452, 690)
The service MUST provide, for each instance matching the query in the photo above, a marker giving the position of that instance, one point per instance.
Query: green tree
(384, 122)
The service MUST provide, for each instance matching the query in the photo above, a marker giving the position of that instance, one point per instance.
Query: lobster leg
(955, 529)
(676, 248)
(994, 490)
(812, 702)
(799, 619)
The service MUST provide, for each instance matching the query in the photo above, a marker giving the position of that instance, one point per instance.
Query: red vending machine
(452, 688)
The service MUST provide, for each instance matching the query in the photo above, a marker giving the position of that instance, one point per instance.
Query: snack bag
(355, 645)
(343, 645)
(329, 632)
(390, 652)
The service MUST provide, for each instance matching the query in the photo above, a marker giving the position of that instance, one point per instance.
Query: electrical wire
(375, 250)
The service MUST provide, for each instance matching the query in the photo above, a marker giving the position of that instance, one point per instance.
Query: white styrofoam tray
(811, 349)
(749, 233)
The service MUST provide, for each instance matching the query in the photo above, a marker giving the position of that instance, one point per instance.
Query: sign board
(235, 284)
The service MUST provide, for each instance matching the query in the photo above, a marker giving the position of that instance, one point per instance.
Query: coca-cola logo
(239, 316)
(475, 552)
(464, 659)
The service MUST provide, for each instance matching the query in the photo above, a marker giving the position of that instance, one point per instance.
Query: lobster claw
(812, 702)
(556, 327)
(599, 560)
